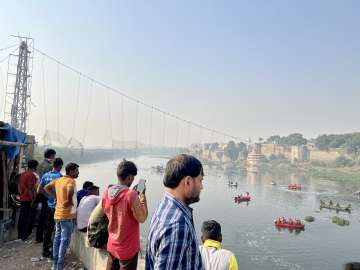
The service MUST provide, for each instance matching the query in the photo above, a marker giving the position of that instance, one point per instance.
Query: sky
(248, 68)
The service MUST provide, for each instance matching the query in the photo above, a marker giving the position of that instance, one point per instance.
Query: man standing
(44, 167)
(125, 209)
(50, 210)
(65, 212)
(213, 255)
(27, 191)
(172, 241)
(86, 206)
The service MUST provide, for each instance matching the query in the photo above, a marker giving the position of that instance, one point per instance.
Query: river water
(248, 228)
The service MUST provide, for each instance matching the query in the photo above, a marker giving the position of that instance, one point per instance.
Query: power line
(137, 101)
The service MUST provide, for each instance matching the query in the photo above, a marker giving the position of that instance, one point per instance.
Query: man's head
(72, 170)
(87, 184)
(211, 230)
(50, 154)
(32, 164)
(57, 164)
(93, 190)
(184, 173)
(126, 172)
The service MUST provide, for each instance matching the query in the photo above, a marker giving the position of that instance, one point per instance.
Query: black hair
(49, 152)
(352, 266)
(87, 184)
(32, 164)
(211, 229)
(126, 168)
(179, 167)
(58, 162)
(70, 167)
(91, 188)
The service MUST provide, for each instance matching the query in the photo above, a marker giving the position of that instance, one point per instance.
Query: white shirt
(86, 206)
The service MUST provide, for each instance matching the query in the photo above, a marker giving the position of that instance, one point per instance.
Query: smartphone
(141, 185)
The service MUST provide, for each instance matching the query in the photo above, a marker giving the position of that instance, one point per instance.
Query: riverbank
(351, 174)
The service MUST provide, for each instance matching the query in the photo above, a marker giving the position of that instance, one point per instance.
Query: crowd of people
(112, 221)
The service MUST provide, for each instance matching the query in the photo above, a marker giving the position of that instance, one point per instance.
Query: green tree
(274, 139)
(231, 151)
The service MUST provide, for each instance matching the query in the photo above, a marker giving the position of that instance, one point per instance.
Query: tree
(296, 139)
(274, 139)
(231, 151)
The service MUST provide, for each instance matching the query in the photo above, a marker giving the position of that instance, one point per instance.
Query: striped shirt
(172, 242)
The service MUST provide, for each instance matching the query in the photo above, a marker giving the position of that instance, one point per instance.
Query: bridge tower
(18, 91)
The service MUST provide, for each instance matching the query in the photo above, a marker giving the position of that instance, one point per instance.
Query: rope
(137, 100)
(76, 106)
(8, 47)
(58, 100)
(88, 112)
(109, 115)
(44, 91)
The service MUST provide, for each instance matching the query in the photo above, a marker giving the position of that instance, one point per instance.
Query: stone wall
(93, 258)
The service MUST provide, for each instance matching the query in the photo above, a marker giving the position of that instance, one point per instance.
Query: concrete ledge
(93, 258)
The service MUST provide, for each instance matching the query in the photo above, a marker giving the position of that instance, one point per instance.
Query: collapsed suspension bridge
(72, 109)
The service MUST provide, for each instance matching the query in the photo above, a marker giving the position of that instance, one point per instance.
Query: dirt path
(17, 254)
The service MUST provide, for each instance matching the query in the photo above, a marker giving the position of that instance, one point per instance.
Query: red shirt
(124, 229)
(27, 182)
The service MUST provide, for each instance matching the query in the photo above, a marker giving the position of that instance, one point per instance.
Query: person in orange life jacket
(125, 209)
(213, 255)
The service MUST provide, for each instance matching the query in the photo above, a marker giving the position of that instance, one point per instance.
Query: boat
(273, 183)
(336, 207)
(241, 198)
(300, 226)
(233, 184)
(294, 187)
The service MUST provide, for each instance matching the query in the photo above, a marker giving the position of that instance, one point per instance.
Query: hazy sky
(250, 68)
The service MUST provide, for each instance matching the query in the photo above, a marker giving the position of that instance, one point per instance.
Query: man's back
(217, 258)
(62, 187)
(44, 167)
(172, 242)
(26, 183)
(124, 229)
(86, 206)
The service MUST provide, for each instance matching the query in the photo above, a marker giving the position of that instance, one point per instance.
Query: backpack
(97, 229)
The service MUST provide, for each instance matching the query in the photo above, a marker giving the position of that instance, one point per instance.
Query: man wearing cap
(86, 206)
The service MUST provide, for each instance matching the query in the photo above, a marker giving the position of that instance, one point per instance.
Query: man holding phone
(125, 208)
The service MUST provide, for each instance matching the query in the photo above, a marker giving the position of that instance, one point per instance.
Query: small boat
(273, 183)
(294, 226)
(294, 187)
(233, 184)
(241, 198)
(336, 207)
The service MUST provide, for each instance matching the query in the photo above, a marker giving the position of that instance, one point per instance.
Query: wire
(88, 111)
(110, 118)
(77, 105)
(8, 47)
(44, 91)
(137, 100)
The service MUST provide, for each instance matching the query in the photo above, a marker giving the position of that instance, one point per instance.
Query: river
(248, 228)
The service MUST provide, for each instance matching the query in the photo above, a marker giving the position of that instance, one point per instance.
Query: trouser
(41, 198)
(130, 264)
(63, 230)
(25, 222)
(48, 232)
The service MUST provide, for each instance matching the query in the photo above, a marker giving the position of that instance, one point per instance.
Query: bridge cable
(76, 108)
(137, 100)
(110, 118)
(44, 95)
(58, 99)
(88, 112)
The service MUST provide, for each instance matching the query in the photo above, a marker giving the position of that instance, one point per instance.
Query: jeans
(63, 230)
(40, 198)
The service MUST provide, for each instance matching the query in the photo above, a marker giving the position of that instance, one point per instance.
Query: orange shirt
(62, 187)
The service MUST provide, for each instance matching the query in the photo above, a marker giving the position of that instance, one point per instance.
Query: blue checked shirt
(172, 242)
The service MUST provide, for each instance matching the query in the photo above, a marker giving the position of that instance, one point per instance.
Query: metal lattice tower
(19, 99)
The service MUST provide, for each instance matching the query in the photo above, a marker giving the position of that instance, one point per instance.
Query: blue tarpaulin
(11, 134)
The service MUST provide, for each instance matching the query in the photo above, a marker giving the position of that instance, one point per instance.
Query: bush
(309, 218)
(343, 161)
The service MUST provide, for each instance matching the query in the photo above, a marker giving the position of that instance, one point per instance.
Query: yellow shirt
(62, 188)
(217, 259)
